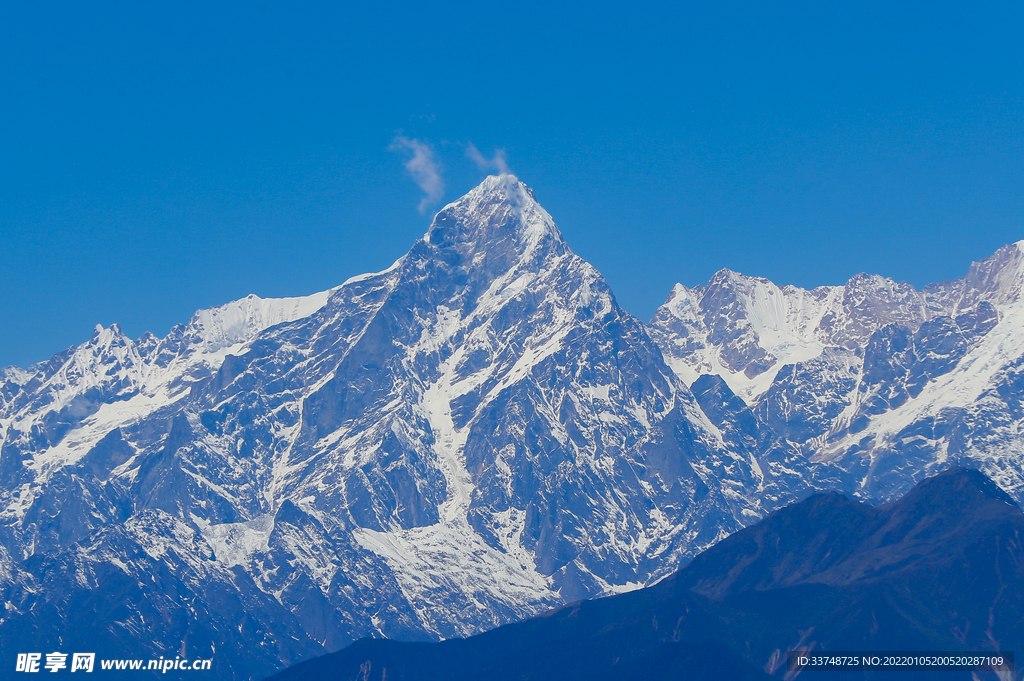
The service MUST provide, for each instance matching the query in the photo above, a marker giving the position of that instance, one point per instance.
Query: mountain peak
(956, 489)
(500, 209)
(998, 278)
(508, 185)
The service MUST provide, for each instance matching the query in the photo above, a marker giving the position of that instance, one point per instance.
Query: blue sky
(160, 158)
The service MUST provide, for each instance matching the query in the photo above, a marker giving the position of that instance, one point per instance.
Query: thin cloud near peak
(483, 163)
(423, 166)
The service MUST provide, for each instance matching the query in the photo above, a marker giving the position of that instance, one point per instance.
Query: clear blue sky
(157, 158)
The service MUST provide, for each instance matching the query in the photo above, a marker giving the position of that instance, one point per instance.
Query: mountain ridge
(885, 386)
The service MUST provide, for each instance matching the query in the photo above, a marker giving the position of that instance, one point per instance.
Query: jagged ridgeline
(871, 386)
(467, 438)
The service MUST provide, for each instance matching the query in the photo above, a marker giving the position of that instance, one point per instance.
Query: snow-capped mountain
(876, 384)
(464, 439)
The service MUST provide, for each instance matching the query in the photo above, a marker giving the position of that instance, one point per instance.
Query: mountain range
(468, 438)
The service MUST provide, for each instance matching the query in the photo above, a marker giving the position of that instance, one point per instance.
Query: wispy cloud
(497, 163)
(423, 167)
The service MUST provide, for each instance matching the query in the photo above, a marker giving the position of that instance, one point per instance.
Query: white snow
(242, 320)
(784, 320)
(449, 441)
(414, 555)
(236, 543)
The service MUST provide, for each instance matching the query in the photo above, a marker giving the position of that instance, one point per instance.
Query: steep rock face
(470, 436)
(883, 385)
